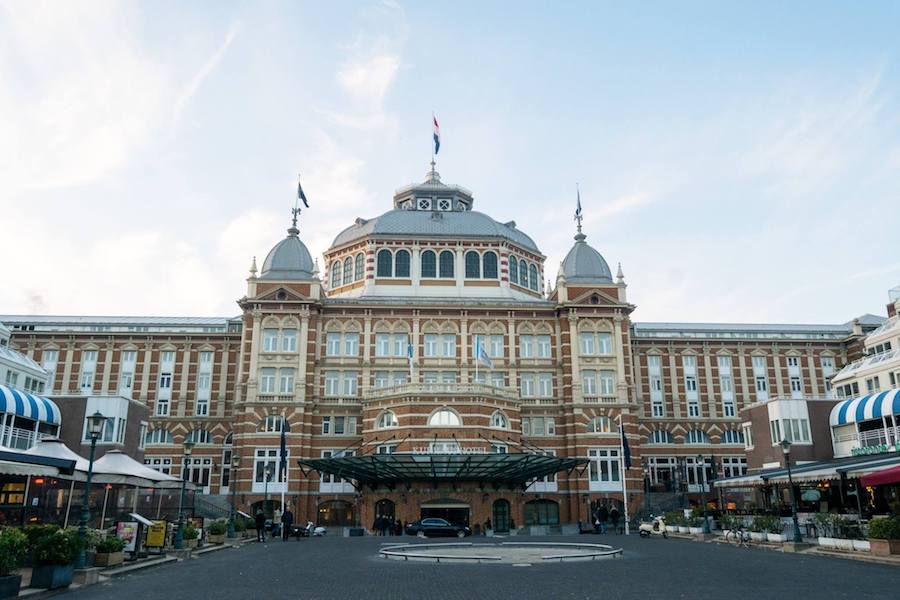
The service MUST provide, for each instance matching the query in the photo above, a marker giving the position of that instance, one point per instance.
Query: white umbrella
(115, 463)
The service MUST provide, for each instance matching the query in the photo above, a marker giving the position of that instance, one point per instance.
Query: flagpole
(287, 466)
(624, 473)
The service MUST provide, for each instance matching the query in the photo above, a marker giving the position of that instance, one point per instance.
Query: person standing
(376, 526)
(260, 526)
(287, 520)
(614, 518)
(603, 517)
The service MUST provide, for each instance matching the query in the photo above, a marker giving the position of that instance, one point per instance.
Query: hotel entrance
(454, 512)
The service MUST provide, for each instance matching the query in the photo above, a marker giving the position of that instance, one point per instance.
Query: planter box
(757, 537)
(695, 530)
(844, 544)
(52, 576)
(108, 559)
(776, 537)
(683, 529)
(190, 543)
(216, 539)
(9, 586)
(861, 545)
(884, 547)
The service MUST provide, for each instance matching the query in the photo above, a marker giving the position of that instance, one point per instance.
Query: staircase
(212, 506)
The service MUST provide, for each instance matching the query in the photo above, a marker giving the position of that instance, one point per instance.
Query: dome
(583, 264)
(289, 259)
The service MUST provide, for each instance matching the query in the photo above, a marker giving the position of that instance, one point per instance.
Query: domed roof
(583, 264)
(289, 259)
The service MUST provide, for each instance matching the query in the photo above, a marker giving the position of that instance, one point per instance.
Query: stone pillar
(512, 373)
(575, 350)
(464, 343)
(779, 379)
(255, 348)
(619, 349)
(746, 397)
(415, 377)
(185, 374)
(366, 348)
(221, 397)
(813, 386)
(66, 387)
(145, 376)
(107, 370)
(303, 353)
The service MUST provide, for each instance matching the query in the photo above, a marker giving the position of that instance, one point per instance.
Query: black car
(434, 527)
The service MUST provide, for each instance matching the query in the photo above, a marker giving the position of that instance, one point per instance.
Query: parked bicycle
(739, 537)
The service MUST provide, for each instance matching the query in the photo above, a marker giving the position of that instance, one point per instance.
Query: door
(198, 472)
(501, 516)
(385, 508)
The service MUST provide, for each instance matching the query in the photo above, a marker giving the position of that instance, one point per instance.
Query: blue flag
(626, 451)
(282, 465)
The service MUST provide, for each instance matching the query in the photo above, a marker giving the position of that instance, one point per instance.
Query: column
(464, 343)
(66, 387)
(254, 356)
(414, 340)
(574, 349)
(303, 351)
(107, 370)
(365, 347)
(779, 380)
(221, 398)
(512, 373)
(184, 374)
(415, 269)
(813, 385)
(145, 376)
(619, 349)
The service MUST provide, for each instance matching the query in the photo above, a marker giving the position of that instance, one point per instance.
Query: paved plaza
(349, 568)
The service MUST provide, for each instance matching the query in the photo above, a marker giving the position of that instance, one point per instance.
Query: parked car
(434, 527)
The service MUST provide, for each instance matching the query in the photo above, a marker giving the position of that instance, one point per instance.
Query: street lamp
(269, 470)
(647, 490)
(179, 532)
(95, 424)
(786, 448)
(701, 460)
(235, 463)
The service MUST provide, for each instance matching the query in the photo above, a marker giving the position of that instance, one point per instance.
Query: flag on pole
(409, 357)
(481, 354)
(300, 193)
(437, 134)
(283, 463)
(578, 203)
(626, 451)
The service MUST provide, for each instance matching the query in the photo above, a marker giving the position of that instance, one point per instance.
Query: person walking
(376, 525)
(287, 520)
(260, 526)
(614, 519)
(603, 517)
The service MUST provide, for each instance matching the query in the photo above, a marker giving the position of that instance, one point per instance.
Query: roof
(14, 356)
(452, 224)
(510, 469)
(26, 405)
(753, 330)
(583, 264)
(115, 323)
(851, 466)
(289, 259)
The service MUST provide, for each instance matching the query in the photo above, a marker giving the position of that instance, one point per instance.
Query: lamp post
(179, 532)
(269, 470)
(679, 473)
(701, 460)
(786, 448)
(235, 463)
(647, 490)
(95, 424)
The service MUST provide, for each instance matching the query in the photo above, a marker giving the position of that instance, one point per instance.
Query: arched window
(360, 266)
(429, 264)
(336, 274)
(513, 270)
(229, 439)
(348, 270)
(271, 424)
(523, 273)
(386, 419)
(660, 436)
(541, 512)
(444, 418)
(401, 263)
(199, 436)
(499, 420)
(447, 264)
(603, 425)
(533, 282)
(473, 265)
(697, 436)
(384, 263)
(732, 436)
(155, 437)
(489, 263)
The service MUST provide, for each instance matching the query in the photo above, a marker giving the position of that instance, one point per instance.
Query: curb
(138, 566)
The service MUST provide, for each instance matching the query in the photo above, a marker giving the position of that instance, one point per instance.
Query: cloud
(208, 67)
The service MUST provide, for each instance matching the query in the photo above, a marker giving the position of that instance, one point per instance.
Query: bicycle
(738, 537)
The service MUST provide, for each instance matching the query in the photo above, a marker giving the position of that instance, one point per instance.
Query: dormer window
(460, 205)
(424, 203)
(406, 205)
(444, 204)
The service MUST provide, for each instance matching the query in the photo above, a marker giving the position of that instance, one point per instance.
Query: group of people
(287, 520)
(387, 525)
(604, 517)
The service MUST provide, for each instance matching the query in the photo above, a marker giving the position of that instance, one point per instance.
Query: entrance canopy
(506, 469)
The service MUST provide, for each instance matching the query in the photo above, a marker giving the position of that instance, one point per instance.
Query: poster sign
(127, 532)
(156, 534)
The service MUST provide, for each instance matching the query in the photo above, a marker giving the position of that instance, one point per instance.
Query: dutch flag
(437, 135)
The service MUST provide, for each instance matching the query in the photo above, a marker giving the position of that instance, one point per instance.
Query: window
(795, 431)
(495, 346)
(429, 264)
(587, 343)
(270, 340)
(734, 466)
(541, 512)
(337, 344)
(473, 265)
(167, 357)
(523, 273)
(360, 265)
(796, 387)
(697, 436)
(386, 419)
(386, 449)
(49, 358)
(444, 418)
(350, 383)
(775, 431)
(338, 425)
(595, 343)
(654, 369)
(446, 264)
(443, 204)
(199, 436)
(513, 270)
(335, 274)
(156, 437)
(748, 436)
(604, 466)
(267, 381)
(163, 465)
(384, 264)
(538, 426)
(761, 377)
(165, 381)
(348, 270)
(332, 382)
(266, 474)
(589, 383)
(660, 436)
(448, 345)
(534, 281)
(382, 344)
(424, 203)
(526, 346)
(271, 424)
(602, 425)
(827, 363)
(431, 344)
(162, 407)
(499, 420)
(526, 384)
(489, 265)
(289, 340)
(351, 344)
(142, 436)
(401, 263)
(607, 384)
(201, 407)
(286, 381)
(543, 346)
(545, 385)
(732, 436)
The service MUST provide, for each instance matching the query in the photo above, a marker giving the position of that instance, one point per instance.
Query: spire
(253, 269)
(620, 277)
(579, 237)
(295, 212)
(316, 269)
(432, 176)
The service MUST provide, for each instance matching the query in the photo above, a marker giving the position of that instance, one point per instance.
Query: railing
(440, 389)
(539, 401)
(607, 399)
(275, 398)
(877, 437)
(17, 438)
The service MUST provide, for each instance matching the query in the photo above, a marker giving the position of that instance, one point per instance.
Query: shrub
(240, 524)
(886, 528)
(13, 545)
(218, 527)
(34, 533)
(59, 548)
(110, 545)
(92, 537)
(190, 532)
(675, 517)
(730, 522)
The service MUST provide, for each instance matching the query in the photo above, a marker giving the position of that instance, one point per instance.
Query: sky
(741, 160)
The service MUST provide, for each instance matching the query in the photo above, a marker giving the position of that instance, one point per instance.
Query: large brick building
(375, 366)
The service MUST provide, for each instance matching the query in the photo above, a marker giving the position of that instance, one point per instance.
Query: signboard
(127, 532)
(156, 534)
(878, 449)
(449, 450)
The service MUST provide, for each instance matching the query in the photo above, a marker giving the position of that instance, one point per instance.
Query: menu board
(127, 532)
(156, 534)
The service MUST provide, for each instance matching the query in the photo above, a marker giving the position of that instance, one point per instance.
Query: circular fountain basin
(515, 553)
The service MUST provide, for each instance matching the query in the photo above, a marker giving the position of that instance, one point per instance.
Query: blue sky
(741, 162)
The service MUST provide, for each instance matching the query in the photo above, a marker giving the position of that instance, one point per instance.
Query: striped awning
(864, 408)
(23, 404)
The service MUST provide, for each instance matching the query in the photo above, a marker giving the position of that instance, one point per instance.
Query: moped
(655, 526)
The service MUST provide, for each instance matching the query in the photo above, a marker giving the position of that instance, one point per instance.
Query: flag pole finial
(578, 215)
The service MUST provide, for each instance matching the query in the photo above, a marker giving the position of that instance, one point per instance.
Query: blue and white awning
(864, 408)
(23, 404)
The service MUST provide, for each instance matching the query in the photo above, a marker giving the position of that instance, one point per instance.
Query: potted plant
(110, 552)
(216, 532)
(884, 536)
(729, 523)
(695, 525)
(54, 559)
(775, 530)
(757, 528)
(13, 544)
(33, 534)
(190, 534)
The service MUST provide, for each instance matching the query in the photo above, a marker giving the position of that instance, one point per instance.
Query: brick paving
(349, 568)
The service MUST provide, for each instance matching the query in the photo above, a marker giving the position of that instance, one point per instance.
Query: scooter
(656, 526)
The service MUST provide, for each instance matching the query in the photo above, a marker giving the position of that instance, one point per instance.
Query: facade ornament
(620, 277)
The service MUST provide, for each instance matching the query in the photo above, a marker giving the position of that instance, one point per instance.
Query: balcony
(441, 389)
(605, 399)
(275, 398)
(17, 438)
